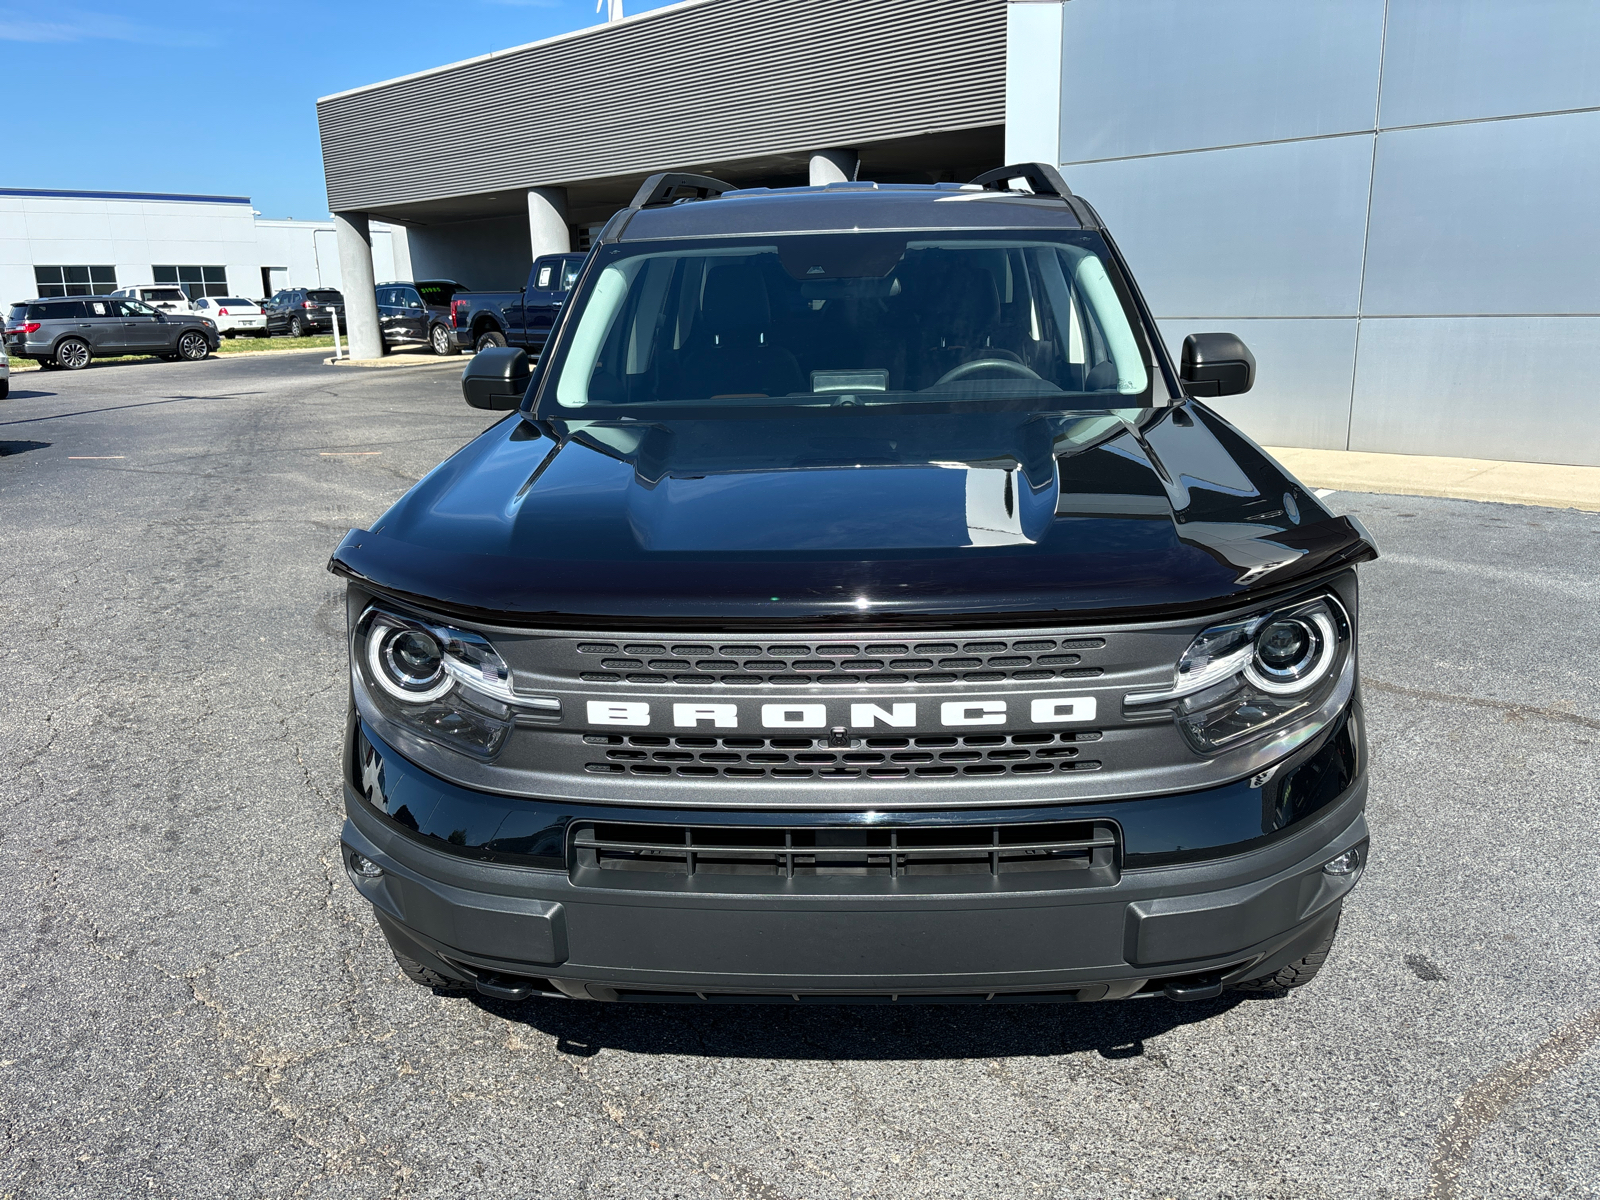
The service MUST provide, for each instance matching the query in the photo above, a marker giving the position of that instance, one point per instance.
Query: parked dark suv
(300, 312)
(419, 313)
(860, 606)
(72, 331)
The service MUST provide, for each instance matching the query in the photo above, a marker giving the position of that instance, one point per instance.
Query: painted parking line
(346, 453)
(93, 457)
(1321, 493)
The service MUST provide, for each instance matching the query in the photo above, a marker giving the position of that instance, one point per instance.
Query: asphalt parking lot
(199, 1004)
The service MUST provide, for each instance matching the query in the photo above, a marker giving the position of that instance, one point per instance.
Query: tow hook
(1190, 987)
(505, 987)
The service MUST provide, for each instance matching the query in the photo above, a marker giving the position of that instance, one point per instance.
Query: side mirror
(496, 378)
(1217, 364)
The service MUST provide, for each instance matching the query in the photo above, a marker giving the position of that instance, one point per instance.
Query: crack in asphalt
(1511, 708)
(1482, 1104)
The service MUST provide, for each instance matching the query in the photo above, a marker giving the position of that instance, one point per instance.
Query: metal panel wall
(1258, 231)
(1489, 217)
(1460, 60)
(695, 83)
(1154, 76)
(1303, 369)
(1518, 388)
(1430, 290)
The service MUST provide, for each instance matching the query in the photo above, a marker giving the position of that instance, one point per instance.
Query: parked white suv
(168, 297)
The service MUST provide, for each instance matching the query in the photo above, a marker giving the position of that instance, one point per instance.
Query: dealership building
(56, 243)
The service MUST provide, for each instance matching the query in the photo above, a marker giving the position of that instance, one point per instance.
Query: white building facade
(56, 243)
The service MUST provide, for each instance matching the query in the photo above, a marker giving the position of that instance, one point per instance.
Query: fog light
(1344, 864)
(364, 866)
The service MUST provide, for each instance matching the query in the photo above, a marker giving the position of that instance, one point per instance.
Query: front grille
(792, 664)
(887, 852)
(945, 756)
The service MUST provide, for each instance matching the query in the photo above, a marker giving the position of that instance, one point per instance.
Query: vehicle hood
(910, 520)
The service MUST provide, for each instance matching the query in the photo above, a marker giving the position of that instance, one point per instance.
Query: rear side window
(438, 294)
(55, 312)
(546, 276)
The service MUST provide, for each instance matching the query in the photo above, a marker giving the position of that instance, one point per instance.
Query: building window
(195, 281)
(75, 281)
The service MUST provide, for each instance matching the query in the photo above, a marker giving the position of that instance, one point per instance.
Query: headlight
(1237, 682)
(448, 684)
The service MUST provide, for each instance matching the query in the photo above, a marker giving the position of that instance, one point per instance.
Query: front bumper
(1187, 927)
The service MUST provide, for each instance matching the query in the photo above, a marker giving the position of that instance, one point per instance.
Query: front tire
(427, 977)
(1296, 974)
(192, 347)
(492, 338)
(443, 341)
(72, 354)
(5, 388)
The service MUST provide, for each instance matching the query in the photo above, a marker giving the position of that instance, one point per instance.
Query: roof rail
(665, 188)
(1042, 178)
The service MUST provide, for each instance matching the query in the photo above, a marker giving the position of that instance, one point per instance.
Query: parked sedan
(233, 315)
(303, 311)
(69, 332)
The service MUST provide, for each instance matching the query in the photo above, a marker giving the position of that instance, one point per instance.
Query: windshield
(851, 320)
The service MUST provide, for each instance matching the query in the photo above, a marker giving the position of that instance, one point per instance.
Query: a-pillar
(357, 284)
(547, 221)
(833, 166)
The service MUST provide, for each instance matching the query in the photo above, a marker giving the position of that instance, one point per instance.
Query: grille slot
(1085, 847)
(943, 756)
(790, 664)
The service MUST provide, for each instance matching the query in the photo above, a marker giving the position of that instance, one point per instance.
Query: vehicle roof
(853, 207)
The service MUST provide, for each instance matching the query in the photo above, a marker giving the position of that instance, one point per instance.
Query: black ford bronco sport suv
(860, 606)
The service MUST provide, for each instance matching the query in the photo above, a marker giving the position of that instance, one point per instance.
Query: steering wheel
(981, 364)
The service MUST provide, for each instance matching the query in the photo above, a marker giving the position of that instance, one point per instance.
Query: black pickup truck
(521, 318)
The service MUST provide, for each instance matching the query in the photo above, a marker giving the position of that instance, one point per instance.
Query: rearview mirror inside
(496, 378)
(1217, 364)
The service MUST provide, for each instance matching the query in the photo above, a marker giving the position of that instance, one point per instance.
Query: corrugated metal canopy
(701, 83)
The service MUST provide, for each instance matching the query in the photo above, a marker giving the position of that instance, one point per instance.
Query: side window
(132, 308)
(546, 277)
(99, 308)
(409, 298)
(386, 298)
(64, 312)
(569, 273)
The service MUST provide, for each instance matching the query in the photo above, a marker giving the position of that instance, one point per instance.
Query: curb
(1545, 485)
(398, 361)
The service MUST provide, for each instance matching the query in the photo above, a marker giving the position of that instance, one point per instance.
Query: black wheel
(1295, 974)
(492, 338)
(297, 327)
(443, 340)
(228, 334)
(427, 977)
(72, 353)
(5, 388)
(193, 346)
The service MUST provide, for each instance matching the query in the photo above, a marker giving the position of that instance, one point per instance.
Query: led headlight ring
(407, 663)
(1293, 652)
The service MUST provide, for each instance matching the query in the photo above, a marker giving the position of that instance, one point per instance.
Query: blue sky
(219, 97)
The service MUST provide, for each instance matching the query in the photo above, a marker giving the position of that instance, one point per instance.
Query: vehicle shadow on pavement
(1118, 1029)
(7, 448)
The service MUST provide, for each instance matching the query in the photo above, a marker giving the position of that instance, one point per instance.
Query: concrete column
(833, 166)
(547, 221)
(1034, 32)
(356, 282)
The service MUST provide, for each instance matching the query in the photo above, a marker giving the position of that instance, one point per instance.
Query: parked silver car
(71, 331)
